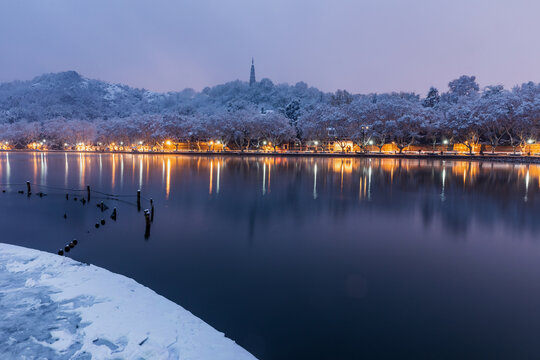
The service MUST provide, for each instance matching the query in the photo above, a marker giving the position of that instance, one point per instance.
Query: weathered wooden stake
(88, 190)
(113, 215)
(152, 211)
(147, 219)
(138, 200)
(28, 187)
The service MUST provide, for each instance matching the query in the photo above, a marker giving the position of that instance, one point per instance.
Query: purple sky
(358, 45)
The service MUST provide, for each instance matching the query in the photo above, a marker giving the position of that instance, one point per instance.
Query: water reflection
(43, 169)
(66, 170)
(457, 192)
(264, 179)
(121, 171)
(168, 182)
(8, 170)
(141, 172)
(443, 177)
(211, 176)
(379, 172)
(218, 174)
(82, 170)
(315, 181)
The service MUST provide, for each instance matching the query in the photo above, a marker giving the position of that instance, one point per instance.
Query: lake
(306, 257)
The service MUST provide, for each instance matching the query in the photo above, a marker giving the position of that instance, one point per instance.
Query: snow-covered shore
(53, 307)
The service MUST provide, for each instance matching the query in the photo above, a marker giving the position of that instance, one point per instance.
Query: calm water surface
(308, 258)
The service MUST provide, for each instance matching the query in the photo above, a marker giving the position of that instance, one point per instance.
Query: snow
(55, 307)
(68, 108)
(112, 91)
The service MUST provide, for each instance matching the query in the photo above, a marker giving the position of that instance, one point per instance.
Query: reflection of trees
(488, 193)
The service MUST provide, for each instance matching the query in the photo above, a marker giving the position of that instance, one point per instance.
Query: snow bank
(55, 307)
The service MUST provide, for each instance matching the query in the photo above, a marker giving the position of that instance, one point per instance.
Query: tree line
(241, 117)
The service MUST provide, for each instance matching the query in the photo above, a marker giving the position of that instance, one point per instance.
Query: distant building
(252, 73)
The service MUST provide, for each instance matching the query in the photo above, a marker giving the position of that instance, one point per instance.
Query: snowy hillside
(72, 96)
(56, 308)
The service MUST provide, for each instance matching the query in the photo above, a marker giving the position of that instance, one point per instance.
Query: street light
(364, 128)
(530, 141)
(445, 142)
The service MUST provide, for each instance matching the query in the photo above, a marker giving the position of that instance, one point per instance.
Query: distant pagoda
(252, 74)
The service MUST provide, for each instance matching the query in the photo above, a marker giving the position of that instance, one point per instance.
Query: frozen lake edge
(56, 307)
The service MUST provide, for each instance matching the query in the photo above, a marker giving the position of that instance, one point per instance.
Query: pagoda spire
(252, 73)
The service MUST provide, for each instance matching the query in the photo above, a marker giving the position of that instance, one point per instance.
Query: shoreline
(60, 308)
(506, 157)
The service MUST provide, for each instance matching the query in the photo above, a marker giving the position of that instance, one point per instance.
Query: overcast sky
(359, 45)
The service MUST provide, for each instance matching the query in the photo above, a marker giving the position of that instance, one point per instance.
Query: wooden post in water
(113, 215)
(147, 221)
(147, 217)
(88, 191)
(152, 211)
(28, 188)
(138, 200)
